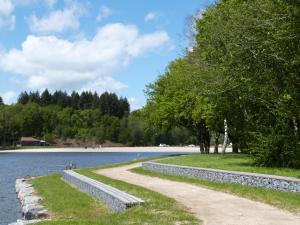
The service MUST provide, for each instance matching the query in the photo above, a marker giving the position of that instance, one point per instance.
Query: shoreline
(112, 150)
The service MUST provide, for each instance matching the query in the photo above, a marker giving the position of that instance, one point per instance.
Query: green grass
(235, 162)
(125, 163)
(72, 207)
(283, 200)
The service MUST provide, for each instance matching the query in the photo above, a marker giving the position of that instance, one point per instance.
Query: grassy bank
(235, 162)
(70, 206)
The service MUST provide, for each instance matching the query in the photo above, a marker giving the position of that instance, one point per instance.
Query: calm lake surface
(17, 165)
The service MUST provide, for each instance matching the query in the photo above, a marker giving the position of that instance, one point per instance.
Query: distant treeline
(86, 117)
(108, 103)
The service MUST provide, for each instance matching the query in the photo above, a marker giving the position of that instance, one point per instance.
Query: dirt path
(212, 207)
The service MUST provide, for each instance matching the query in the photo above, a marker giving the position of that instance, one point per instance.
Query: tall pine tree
(46, 98)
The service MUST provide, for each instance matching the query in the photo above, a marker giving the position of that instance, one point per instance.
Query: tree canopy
(109, 103)
(243, 69)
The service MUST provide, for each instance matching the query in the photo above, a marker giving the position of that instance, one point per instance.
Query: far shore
(114, 149)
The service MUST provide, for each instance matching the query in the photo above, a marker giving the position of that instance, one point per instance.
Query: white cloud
(50, 62)
(104, 13)
(103, 84)
(135, 104)
(6, 7)
(57, 21)
(9, 97)
(7, 19)
(150, 17)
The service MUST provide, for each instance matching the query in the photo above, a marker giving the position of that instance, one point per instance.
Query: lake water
(17, 165)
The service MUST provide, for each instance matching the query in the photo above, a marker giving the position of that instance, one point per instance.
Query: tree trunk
(225, 137)
(201, 148)
(217, 136)
(207, 140)
(203, 136)
(235, 147)
(206, 149)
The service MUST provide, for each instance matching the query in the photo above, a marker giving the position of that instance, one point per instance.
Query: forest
(85, 117)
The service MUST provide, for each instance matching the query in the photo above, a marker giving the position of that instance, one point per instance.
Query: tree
(1, 101)
(111, 105)
(254, 47)
(29, 120)
(46, 98)
(34, 97)
(50, 120)
(124, 107)
(23, 98)
(174, 101)
(61, 99)
(75, 98)
(1, 125)
(95, 101)
(86, 100)
(243, 72)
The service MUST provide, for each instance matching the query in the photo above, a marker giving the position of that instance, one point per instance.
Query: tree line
(108, 103)
(85, 117)
(240, 80)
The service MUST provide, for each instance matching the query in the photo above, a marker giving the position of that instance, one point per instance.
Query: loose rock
(32, 210)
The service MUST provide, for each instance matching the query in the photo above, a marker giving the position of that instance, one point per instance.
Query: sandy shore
(114, 149)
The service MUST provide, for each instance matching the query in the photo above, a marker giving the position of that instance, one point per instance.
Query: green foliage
(108, 103)
(276, 149)
(244, 67)
(50, 121)
(173, 100)
(255, 44)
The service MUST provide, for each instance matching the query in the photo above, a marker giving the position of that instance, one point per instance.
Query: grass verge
(70, 206)
(235, 162)
(283, 200)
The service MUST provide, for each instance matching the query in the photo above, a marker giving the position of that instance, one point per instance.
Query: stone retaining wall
(277, 183)
(114, 198)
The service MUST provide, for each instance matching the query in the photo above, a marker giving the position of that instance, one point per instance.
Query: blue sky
(106, 45)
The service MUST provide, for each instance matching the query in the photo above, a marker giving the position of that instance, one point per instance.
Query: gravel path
(212, 207)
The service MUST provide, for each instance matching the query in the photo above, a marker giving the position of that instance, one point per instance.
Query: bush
(276, 150)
